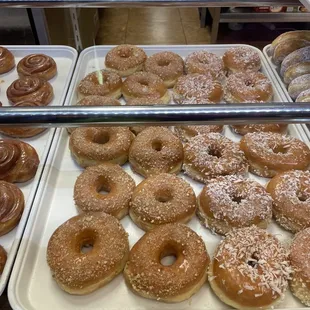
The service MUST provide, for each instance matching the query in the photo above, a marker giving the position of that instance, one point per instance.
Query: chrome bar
(156, 115)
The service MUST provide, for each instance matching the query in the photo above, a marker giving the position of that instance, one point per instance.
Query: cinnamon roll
(7, 61)
(11, 206)
(37, 65)
(18, 161)
(22, 132)
(30, 89)
(2, 259)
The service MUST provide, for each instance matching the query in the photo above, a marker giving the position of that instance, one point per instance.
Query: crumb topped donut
(232, 202)
(300, 262)
(248, 87)
(212, 155)
(92, 146)
(197, 87)
(203, 62)
(156, 150)
(271, 153)
(100, 83)
(81, 272)
(162, 199)
(244, 129)
(145, 85)
(291, 199)
(148, 277)
(168, 66)
(241, 59)
(250, 269)
(125, 59)
(111, 178)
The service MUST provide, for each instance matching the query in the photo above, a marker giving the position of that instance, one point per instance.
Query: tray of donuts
(30, 76)
(167, 218)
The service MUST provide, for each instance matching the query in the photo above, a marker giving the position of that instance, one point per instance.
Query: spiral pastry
(37, 65)
(18, 161)
(2, 259)
(7, 61)
(11, 206)
(30, 89)
(22, 132)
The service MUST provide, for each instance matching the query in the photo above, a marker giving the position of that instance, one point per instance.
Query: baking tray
(31, 285)
(65, 58)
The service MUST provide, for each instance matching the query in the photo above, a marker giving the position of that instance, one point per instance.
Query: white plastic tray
(31, 285)
(65, 58)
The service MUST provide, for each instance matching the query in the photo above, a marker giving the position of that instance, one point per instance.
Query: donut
(231, 201)
(111, 178)
(290, 192)
(81, 272)
(146, 275)
(125, 59)
(244, 129)
(11, 206)
(100, 83)
(301, 55)
(299, 259)
(7, 61)
(92, 146)
(304, 96)
(162, 199)
(168, 66)
(250, 269)
(3, 257)
(30, 89)
(248, 87)
(22, 132)
(271, 153)
(212, 155)
(19, 161)
(156, 150)
(205, 63)
(241, 59)
(294, 71)
(141, 102)
(298, 85)
(37, 65)
(197, 87)
(145, 85)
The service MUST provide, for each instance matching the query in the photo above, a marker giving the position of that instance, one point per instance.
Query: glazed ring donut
(92, 146)
(294, 71)
(7, 61)
(197, 87)
(271, 153)
(212, 155)
(100, 83)
(11, 206)
(156, 150)
(241, 59)
(78, 272)
(148, 277)
(110, 178)
(299, 259)
(297, 86)
(30, 89)
(3, 257)
(145, 85)
(167, 65)
(290, 192)
(248, 87)
(125, 59)
(248, 128)
(250, 269)
(304, 96)
(232, 202)
(205, 63)
(37, 65)
(162, 199)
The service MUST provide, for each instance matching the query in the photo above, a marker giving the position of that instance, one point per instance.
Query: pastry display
(3, 258)
(7, 60)
(37, 65)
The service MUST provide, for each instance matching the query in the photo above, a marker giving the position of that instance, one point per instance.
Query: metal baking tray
(32, 286)
(65, 58)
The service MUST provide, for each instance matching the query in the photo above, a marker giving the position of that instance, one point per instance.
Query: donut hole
(215, 152)
(280, 149)
(101, 138)
(86, 241)
(237, 199)
(163, 196)
(144, 83)
(302, 196)
(249, 83)
(168, 255)
(253, 261)
(103, 188)
(163, 63)
(157, 145)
